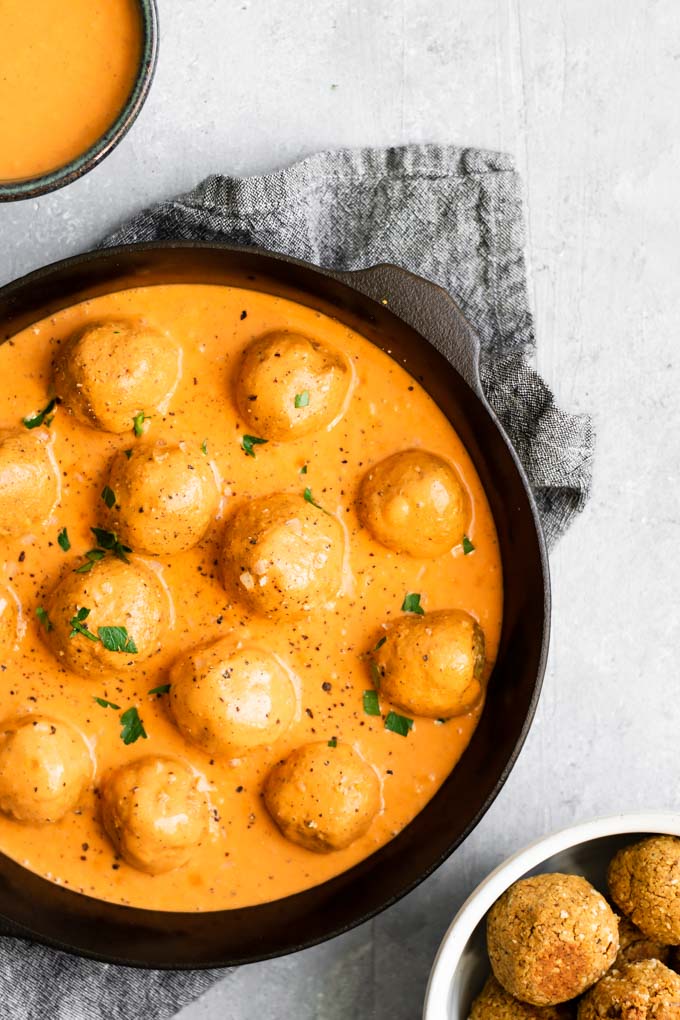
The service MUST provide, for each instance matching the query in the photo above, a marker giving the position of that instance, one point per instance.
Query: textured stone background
(585, 93)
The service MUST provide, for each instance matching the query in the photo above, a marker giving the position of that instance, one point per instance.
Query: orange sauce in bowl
(66, 72)
(245, 860)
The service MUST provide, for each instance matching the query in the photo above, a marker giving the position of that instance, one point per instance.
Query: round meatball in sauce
(283, 555)
(166, 497)
(154, 813)
(322, 798)
(107, 620)
(111, 372)
(228, 698)
(289, 385)
(414, 502)
(45, 767)
(432, 665)
(29, 482)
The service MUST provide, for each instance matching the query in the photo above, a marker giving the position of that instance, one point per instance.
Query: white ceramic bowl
(461, 965)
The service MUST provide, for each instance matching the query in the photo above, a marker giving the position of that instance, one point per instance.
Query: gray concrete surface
(584, 92)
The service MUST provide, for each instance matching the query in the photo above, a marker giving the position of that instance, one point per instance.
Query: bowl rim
(480, 901)
(52, 180)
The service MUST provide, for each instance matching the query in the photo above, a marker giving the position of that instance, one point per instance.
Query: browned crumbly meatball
(154, 813)
(432, 665)
(644, 882)
(635, 946)
(166, 497)
(550, 937)
(29, 486)
(289, 385)
(110, 372)
(322, 797)
(639, 991)
(494, 1003)
(283, 555)
(45, 767)
(414, 502)
(86, 610)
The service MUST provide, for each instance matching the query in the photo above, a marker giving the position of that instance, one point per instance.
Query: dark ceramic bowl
(413, 322)
(31, 187)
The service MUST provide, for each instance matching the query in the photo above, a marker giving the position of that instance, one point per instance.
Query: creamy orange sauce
(66, 71)
(245, 860)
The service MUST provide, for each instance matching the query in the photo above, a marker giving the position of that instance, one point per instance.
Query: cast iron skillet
(399, 313)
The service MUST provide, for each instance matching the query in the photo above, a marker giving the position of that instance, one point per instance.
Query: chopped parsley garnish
(103, 703)
(128, 453)
(333, 742)
(91, 557)
(376, 677)
(63, 540)
(398, 724)
(310, 499)
(162, 689)
(248, 442)
(204, 447)
(44, 417)
(133, 727)
(109, 542)
(303, 469)
(117, 639)
(44, 618)
(302, 399)
(468, 547)
(109, 497)
(138, 423)
(80, 627)
(411, 604)
(380, 643)
(371, 703)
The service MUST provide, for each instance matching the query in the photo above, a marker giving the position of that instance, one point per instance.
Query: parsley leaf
(310, 499)
(44, 417)
(468, 547)
(80, 627)
(109, 497)
(138, 423)
(103, 703)
(248, 442)
(371, 703)
(411, 604)
(398, 724)
(44, 619)
(117, 639)
(133, 727)
(162, 689)
(302, 399)
(109, 541)
(204, 447)
(91, 557)
(376, 677)
(63, 540)
(128, 453)
(303, 469)
(380, 643)
(333, 742)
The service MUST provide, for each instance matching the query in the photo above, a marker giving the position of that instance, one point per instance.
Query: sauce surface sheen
(245, 860)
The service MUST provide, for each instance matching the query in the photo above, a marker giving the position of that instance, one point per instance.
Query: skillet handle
(428, 308)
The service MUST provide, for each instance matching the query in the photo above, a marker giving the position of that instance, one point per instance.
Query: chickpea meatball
(154, 813)
(229, 698)
(281, 554)
(433, 665)
(113, 594)
(289, 385)
(45, 767)
(550, 937)
(9, 622)
(639, 991)
(414, 502)
(644, 882)
(166, 497)
(635, 946)
(322, 798)
(29, 483)
(110, 372)
(494, 1003)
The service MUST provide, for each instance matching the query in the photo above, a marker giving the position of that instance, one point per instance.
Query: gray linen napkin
(451, 215)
